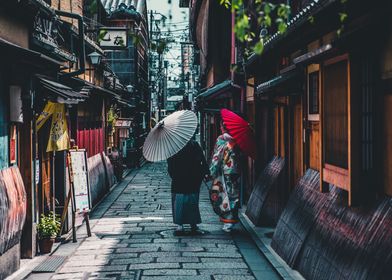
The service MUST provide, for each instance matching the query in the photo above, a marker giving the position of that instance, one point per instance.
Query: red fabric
(91, 139)
(241, 131)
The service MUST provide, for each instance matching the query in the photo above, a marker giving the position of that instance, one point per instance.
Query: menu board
(81, 186)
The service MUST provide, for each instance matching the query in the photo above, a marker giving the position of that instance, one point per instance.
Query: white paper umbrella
(170, 135)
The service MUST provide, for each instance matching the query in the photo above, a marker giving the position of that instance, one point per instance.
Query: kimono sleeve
(230, 162)
(216, 160)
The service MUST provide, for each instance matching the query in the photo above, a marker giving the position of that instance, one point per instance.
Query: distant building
(173, 101)
(128, 58)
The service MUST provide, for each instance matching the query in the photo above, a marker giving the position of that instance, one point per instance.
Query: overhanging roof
(276, 81)
(61, 93)
(24, 54)
(134, 7)
(125, 103)
(216, 90)
(313, 8)
(88, 87)
(313, 55)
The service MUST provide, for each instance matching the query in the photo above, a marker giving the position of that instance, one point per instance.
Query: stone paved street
(134, 239)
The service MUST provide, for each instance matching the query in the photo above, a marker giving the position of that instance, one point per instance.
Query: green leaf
(267, 21)
(282, 27)
(259, 47)
(102, 33)
(343, 17)
(267, 8)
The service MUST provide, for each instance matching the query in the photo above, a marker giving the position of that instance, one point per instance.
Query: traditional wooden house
(321, 116)
(217, 48)
(18, 192)
(44, 47)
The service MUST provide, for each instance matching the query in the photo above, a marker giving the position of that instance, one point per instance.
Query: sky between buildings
(176, 27)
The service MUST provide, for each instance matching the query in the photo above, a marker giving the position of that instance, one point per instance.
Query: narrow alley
(132, 238)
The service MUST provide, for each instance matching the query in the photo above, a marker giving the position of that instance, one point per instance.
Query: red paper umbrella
(241, 131)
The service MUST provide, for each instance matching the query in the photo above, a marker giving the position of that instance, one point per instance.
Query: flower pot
(45, 245)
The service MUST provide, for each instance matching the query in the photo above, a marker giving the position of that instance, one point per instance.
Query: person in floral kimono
(225, 173)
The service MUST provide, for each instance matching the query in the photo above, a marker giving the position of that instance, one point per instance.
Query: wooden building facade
(321, 107)
(44, 50)
(318, 98)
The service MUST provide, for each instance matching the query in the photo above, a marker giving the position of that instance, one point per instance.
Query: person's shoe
(180, 228)
(227, 227)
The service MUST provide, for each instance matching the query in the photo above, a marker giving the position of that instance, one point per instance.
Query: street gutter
(258, 236)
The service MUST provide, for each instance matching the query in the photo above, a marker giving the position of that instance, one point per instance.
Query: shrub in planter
(48, 227)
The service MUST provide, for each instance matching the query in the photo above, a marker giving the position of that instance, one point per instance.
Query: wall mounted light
(95, 58)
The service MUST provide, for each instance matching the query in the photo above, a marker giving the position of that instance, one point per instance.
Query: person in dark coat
(187, 169)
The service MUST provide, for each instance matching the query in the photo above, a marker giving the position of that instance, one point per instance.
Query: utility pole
(151, 20)
(160, 86)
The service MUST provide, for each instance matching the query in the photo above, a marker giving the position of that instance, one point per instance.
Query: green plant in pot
(48, 228)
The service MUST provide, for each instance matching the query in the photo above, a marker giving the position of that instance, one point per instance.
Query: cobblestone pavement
(134, 239)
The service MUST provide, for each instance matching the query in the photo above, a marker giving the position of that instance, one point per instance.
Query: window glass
(313, 92)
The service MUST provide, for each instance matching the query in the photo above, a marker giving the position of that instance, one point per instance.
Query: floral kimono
(224, 193)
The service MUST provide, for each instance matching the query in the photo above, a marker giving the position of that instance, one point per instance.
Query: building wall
(3, 123)
(386, 74)
(13, 29)
(72, 6)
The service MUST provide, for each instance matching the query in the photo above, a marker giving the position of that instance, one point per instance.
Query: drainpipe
(82, 54)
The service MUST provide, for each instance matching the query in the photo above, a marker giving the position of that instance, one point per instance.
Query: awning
(26, 55)
(277, 81)
(221, 90)
(89, 88)
(125, 103)
(313, 55)
(313, 8)
(62, 93)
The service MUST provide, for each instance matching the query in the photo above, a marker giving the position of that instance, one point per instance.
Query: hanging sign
(13, 144)
(123, 123)
(113, 38)
(79, 174)
(37, 171)
(58, 137)
(46, 35)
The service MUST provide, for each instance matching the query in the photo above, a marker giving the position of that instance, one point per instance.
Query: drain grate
(51, 264)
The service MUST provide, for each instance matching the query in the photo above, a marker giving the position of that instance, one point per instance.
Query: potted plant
(48, 227)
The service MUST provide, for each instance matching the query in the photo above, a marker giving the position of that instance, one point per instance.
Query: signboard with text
(113, 38)
(81, 187)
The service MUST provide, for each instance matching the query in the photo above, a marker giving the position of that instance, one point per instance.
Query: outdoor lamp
(95, 58)
(129, 88)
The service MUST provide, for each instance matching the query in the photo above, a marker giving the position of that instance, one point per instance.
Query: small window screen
(313, 93)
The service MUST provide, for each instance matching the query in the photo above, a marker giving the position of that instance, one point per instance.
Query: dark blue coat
(187, 169)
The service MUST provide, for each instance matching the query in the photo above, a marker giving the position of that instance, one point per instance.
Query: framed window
(336, 114)
(335, 124)
(314, 92)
